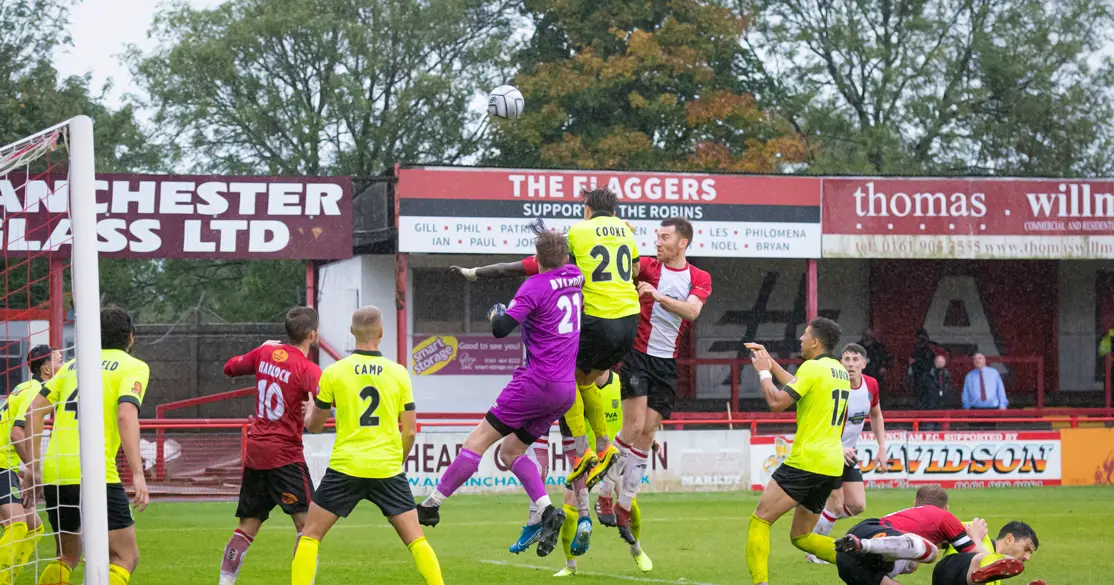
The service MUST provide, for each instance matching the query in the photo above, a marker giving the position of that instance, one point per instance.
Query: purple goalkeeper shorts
(529, 405)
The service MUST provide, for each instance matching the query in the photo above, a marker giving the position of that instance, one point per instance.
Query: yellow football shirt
(610, 393)
(821, 388)
(124, 379)
(604, 249)
(12, 414)
(369, 392)
(988, 544)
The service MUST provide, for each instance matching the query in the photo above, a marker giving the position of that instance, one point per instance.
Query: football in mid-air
(505, 101)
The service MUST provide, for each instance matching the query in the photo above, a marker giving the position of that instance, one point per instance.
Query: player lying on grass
(804, 481)
(372, 395)
(124, 382)
(275, 472)
(547, 306)
(849, 496)
(1016, 540)
(867, 554)
(22, 526)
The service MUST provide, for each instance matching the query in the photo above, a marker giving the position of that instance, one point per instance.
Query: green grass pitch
(693, 539)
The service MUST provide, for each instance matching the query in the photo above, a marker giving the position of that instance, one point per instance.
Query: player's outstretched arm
(778, 400)
(242, 365)
(127, 420)
(502, 270)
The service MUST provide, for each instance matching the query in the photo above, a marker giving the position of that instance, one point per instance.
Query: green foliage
(943, 86)
(323, 86)
(636, 84)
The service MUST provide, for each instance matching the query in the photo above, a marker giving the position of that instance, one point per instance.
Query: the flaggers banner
(183, 216)
(968, 218)
(697, 461)
(951, 459)
(463, 355)
(488, 211)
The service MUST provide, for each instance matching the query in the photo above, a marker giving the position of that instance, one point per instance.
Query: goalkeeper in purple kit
(548, 308)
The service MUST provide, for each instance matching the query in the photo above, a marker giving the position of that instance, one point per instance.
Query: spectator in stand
(983, 387)
(920, 360)
(878, 358)
(934, 389)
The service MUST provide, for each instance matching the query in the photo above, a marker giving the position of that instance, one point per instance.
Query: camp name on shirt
(269, 369)
(561, 282)
(367, 369)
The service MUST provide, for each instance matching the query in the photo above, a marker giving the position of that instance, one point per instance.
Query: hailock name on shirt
(561, 282)
(269, 369)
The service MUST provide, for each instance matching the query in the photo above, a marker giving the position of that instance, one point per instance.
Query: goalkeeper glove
(498, 309)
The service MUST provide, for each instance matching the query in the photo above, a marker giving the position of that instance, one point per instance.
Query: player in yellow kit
(124, 386)
(610, 393)
(372, 395)
(1016, 540)
(22, 526)
(820, 389)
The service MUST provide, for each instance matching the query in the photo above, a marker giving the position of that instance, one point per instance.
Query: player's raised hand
(142, 495)
(977, 530)
(469, 273)
(496, 310)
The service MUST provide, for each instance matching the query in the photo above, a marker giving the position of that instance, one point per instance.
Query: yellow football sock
(568, 530)
(25, 549)
(818, 544)
(635, 519)
(758, 550)
(304, 568)
(593, 410)
(55, 573)
(14, 534)
(118, 575)
(426, 560)
(574, 418)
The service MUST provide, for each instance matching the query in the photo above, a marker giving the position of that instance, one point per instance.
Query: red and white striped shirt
(660, 331)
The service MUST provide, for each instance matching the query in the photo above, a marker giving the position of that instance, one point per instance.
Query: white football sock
(825, 524)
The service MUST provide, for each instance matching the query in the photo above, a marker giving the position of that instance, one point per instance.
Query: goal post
(35, 212)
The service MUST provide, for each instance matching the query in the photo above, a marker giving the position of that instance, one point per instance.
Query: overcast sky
(101, 30)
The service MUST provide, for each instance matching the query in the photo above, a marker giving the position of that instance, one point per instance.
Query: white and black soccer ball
(506, 102)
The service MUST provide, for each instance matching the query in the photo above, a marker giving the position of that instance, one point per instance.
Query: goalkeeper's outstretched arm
(501, 270)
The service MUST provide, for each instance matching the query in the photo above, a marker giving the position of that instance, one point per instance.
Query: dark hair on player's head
(681, 225)
(39, 355)
(854, 348)
(116, 328)
(932, 495)
(827, 332)
(601, 200)
(300, 322)
(1020, 531)
(552, 249)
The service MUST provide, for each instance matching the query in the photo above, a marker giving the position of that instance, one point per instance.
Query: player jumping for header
(820, 389)
(848, 499)
(672, 293)
(372, 395)
(547, 306)
(275, 472)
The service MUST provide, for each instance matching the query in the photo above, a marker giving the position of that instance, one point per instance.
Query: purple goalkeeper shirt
(548, 307)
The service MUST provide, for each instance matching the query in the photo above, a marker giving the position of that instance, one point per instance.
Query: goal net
(51, 303)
